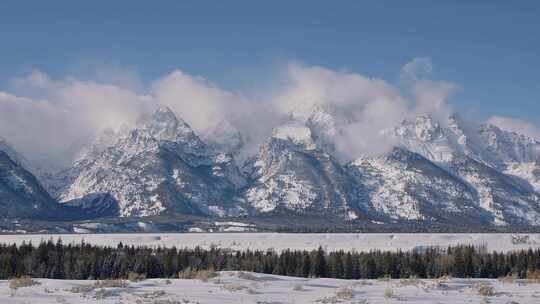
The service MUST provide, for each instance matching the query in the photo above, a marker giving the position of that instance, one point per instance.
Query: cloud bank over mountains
(50, 119)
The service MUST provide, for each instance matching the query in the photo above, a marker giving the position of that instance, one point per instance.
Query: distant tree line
(84, 261)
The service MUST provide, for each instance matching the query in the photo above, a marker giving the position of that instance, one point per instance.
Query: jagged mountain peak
(160, 165)
(427, 128)
(163, 124)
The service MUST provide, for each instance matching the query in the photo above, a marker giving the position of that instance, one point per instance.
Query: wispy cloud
(50, 118)
(516, 125)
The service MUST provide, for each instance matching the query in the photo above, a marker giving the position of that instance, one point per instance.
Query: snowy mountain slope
(161, 165)
(404, 185)
(447, 171)
(501, 166)
(291, 174)
(21, 194)
(508, 200)
(507, 152)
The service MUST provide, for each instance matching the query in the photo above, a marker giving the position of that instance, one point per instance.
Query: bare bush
(24, 281)
(509, 279)
(84, 289)
(389, 293)
(232, 287)
(484, 289)
(203, 275)
(344, 293)
(101, 284)
(247, 276)
(110, 284)
(533, 276)
(328, 300)
(102, 294)
(154, 294)
(361, 283)
(136, 277)
(411, 281)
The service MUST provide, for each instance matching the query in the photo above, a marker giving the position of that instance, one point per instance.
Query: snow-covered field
(229, 287)
(278, 241)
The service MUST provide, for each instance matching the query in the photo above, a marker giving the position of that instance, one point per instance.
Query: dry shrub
(136, 277)
(84, 289)
(24, 281)
(389, 293)
(102, 294)
(361, 283)
(441, 280)
(232, 287)
(484, 289)
(344, 293)
(101, 284)
(203, 275)
(327, 300)
(411, 281)
(509, 279)
(444, 278)
(533, 276)
(154, 294)
(247, 276)
(110, 284)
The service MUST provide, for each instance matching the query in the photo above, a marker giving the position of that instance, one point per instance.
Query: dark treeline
(84, 261)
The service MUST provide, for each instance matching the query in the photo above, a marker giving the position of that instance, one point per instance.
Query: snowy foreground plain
(230, 287)
(279, 241)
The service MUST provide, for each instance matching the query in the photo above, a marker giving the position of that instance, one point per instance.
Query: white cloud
(431, 96)
(419, 68)
(71, 110)
(362, 107)
(516, 125)
(55, 115)
(67, 112)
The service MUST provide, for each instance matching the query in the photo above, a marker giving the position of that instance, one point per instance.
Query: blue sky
(489, 48)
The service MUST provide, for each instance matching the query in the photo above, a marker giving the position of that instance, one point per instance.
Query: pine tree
(320, 268)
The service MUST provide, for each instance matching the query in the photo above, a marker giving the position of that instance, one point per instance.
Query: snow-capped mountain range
(438, 171)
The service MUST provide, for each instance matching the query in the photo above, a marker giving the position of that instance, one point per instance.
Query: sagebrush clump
(344, 293)
(203, 275)
(24, 281)
(533, 276)
(136, 277)
(484, 289)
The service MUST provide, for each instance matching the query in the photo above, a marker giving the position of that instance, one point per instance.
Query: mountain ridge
(438, 172)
